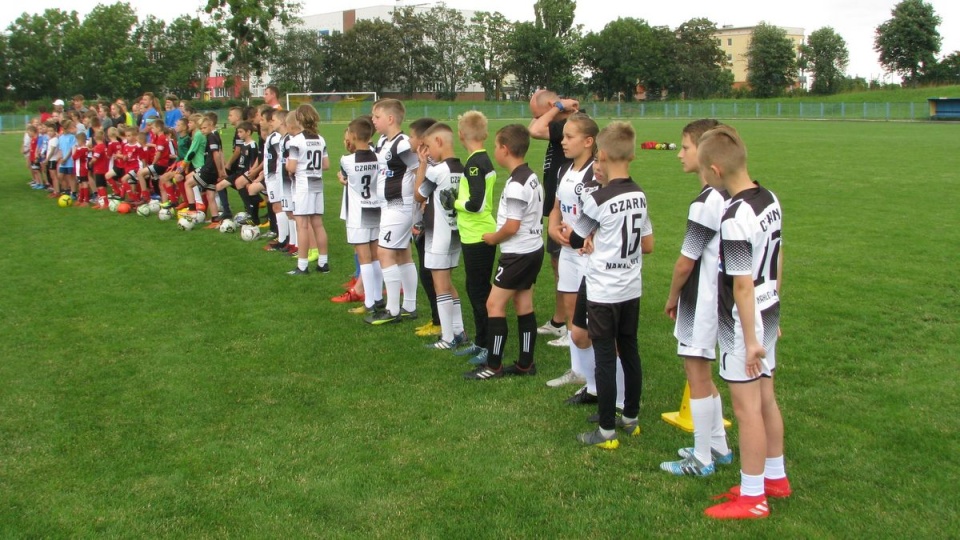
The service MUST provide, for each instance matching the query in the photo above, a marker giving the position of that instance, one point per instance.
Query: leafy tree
(616, 57)
(544, 53)
(771, 61)
(825, 54)
(187, 63)
(443, 27)
(487, 45)
(298, 65)
(555, 16)
(946, 71)
(355, 59)
(698, 61)
(909, 41)
(37, 42)
(414, 68)
(4, 67)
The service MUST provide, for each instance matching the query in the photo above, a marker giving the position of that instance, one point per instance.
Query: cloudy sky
(855, 20)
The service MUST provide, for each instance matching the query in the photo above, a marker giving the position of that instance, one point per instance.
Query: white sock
(408, 276)
(718, 437)
(283, 227)
(751, 485)
(620, 384)
(322, 260)
(366, 277)
(702, 412)
(197, 195)
(607, 432)
(773, 468)
(445, 311)
(293, 231)
(575, 364)
(588, 361)
(377, 290)
(457, 317)
(303, 264)
(391, 278)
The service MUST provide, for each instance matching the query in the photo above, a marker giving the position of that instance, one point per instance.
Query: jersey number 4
(630, 237)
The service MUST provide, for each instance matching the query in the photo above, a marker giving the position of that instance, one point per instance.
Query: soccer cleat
(480, 358)
(740, 508)
(269, 235)
(548, 329)
(274, 246)
(350, 284)
(361, 310)
(631, 428)
(777, 489)
(569, 377)
(518, 371)
(298, 272)
(213, 225)
(313, 255)
(460, 339)
(595, 417)
(483, 373)
(441, 345)
(690, 466)
(381, 317)
(323, 268)
(582, 397)
(347, 297)
(264, 225)
(595, 438)
(562, 341)
(470, 350)
(408, 315)
(428, 329)
(217, 218)
(718, 458)
(182, 206)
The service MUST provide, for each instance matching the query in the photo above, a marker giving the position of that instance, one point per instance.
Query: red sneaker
(777, 489)
(741, 507)
(182, 206)
(347, 297)
(349, 285)
(213, 226)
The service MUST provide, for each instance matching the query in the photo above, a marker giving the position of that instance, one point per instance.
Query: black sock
(556, 324)
(224, 201)
(527, 326)
(496, 337)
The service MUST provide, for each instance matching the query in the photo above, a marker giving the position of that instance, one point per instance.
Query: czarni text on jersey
(624, 205)
(772, 217)
(366, 167)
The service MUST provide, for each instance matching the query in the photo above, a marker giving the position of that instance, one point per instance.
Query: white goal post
(315, 98)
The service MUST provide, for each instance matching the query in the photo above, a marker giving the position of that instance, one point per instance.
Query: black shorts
(579, 318)
(613, 321)
(206, 179)
(130, 177)
(34, 166)
(553, 248)
(100, 180)
(232, 178)
(518, 271)
(51, 165)
(157, 170)
(117, 172)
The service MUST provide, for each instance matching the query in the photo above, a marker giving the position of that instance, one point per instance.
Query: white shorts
(571, 268)
(396, 225)
(733, 364)
(274, 190)
(358, 236)
(686, 351)
(286, 196)
(442, 255)
(308, 204)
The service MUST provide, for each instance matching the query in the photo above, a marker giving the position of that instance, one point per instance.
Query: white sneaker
(548, 329)
(562, 341)
(570, 377)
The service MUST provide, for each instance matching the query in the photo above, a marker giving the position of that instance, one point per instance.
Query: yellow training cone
(682, 418)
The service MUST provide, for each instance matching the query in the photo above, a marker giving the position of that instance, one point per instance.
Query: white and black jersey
(284, 148)
(573, 186)
(271, 157)
(440, 186)
(522, 200)
(309, 150)
(362, 207)
(696, 324)
(750, 246)
(397, 179)
(249, 155)
(617, 214)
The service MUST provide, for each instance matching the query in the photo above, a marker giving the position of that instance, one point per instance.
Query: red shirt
(131, 157)
(80, 161)
(162, 150)
(101, 160)
(147, 154)
(114, 154)
(33, 149)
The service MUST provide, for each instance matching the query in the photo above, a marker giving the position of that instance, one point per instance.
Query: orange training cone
(682, 418)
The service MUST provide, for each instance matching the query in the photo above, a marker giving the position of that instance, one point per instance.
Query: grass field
(159, 383)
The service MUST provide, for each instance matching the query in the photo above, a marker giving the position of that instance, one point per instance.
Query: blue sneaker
(690, 466)
(480, 358)
(718, 458)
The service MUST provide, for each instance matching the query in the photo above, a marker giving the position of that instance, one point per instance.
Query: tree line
(110, 52)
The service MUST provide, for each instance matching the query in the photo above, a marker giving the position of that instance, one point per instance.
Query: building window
(719, 42)
(729, 42)
(729, 58)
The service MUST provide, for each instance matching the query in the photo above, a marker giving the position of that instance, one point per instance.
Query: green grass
(178, 384)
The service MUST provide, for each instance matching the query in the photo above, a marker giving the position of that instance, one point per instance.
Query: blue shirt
(66, 143)
(151, 114)
(170, 117)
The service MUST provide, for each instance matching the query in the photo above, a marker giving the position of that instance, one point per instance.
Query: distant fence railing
(790, 110)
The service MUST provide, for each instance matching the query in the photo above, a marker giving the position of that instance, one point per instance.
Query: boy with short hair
(50, 159)
(431, 327)
(66, 143)
(474, 206)
(246, 157)
(616, 217)
(209, 173)
(80, 154)
(100, 164)
(519, 234)
(751, 262)
(396, 190)
(436, 185)
(155, 166)
(692, 303)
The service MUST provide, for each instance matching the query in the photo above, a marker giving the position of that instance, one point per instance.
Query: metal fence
(790, 110)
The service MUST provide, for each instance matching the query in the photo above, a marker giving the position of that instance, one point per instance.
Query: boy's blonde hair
(473, 126)
(66, 124)
(440, 129)
(723, 147)
(617, 141)
(392, 107)
(196, 118)
(113, 133)
(81, 136)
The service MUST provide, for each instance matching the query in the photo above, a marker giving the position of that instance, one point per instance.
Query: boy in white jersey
(749, 319)
(306, 162)
(395, 190)
(438, 186)
(519, 235)
(692, 303)
(272, 177)
(616, 217)
(286, 181)
(361, 171)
